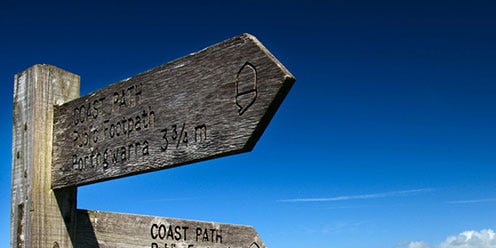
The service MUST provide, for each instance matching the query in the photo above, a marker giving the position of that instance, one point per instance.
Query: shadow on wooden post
(85, 233)
(67, 201)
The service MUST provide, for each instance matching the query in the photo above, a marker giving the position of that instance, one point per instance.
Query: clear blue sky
(387, 137)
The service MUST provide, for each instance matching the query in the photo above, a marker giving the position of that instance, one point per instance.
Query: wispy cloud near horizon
(474, 201)
(173, 199)
(399, 193)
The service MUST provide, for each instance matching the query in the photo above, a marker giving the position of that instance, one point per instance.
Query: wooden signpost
(211, 103)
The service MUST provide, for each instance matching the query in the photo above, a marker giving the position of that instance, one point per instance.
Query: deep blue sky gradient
(390, 124)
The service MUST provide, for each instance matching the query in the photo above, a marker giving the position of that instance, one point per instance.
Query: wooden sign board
(103, 229)
(208, 104)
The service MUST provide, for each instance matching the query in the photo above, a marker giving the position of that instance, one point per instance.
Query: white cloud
(417, 244)
(470, 239)
(361, 197)
(412, 244)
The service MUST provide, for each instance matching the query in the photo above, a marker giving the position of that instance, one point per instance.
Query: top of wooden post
(39, 216)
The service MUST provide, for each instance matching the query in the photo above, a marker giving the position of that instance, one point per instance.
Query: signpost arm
(40, 217)
(107, 230)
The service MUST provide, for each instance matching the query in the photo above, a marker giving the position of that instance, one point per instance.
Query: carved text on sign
(93, 128)
(212, 103)
(164, 235)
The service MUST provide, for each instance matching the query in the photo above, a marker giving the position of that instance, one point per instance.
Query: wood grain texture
(212, 103)
(108, 230)
(39, 216)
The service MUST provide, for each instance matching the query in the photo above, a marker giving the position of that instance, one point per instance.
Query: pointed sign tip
(289, 75)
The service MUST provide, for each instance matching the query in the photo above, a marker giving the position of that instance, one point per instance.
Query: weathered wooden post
(40, 217)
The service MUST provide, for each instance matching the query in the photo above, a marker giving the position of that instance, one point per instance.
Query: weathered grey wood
(212, 103)
(39, 216)
(106, 230)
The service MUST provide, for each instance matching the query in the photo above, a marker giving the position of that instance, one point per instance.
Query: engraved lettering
(111, 156)
(154, 233)
(130, 91)
(164, 147)
(130, 126)
(161, 231)
(174, 132)
(85, 138)
(200, 133)
(180, 136)
(81, 138)
(169, 232)
(123, 154)
(115, 101)
(127, 98)
(88, 111)
(218, 236)
(118, 129)
(75, 162)
(105, 129)
(205, 236)
(105, 159)
(76, 136)
(183, 135)
(112, 130)
(96, 106)
(185, 228)
(198, 233)
(137, 92)
(76, 116)
(137, 125)
(96, 136)
(145, 148)
(82, 109)
(123, 101)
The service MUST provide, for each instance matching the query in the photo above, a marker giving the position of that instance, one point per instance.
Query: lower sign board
(212, 103)
(105, 230)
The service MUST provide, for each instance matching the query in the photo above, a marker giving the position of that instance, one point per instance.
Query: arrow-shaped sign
(212, 103)
(105, 230)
